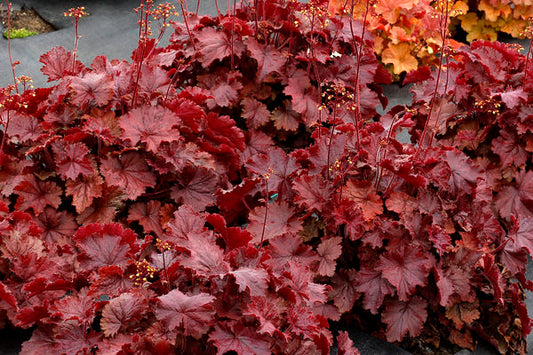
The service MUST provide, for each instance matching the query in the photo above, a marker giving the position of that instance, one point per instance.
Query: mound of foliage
(236, 190)
(407, 33)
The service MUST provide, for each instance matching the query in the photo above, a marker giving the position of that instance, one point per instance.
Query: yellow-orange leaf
(493, 12)
(390, 9)
(399, 55)
(477, 28)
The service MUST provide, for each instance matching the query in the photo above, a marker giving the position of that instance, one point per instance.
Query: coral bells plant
(237, 191)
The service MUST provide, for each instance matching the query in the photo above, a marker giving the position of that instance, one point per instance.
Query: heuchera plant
(236, 190)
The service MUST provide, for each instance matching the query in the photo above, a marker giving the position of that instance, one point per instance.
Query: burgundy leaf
(514, 200)
(199, 187)
(59, 63)
(37, 195)
(92, 89)
(267, 222)
(129, 172)
(255, 112)
(404, 269)
(268, 58)
(215, 45)
(371, 283)
(84, 190)
(121, 312)
(239, 338)
(71, 159)
(192, 314)
(251, 279)
(151, 125)
(328, 251)
(402, 317)
(345, 344)
(107, 244)
(148, 216)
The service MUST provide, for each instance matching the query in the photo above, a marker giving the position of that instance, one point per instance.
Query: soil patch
(26, 18)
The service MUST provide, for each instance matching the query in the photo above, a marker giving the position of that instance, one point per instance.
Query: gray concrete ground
(111, 30)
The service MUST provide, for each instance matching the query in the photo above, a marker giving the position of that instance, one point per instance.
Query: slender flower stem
(9, 46)
(444, 32)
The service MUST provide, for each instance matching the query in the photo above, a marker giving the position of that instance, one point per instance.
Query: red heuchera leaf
(267, 311)
(288, 247)
(37, 194)
(148, 216)
(199, 187)
(11, 173)
(345, 344)
(23, 127)
(325, 152)
(235, 336)
(234, 237)
(29, 316)
(216, 45)
(154, 80)
(40, 343)
(255, 112)
(56, 225)
(344, 293)
(493, 274)
(129, 172)
(267, 222)
(285, 118)
(206, 258)
(513, 201)
(223, 130)
(312, 192)
(328, 251)
(180, 155)
(224, 87)
(463, 313)
(7, 296)
(103, 124)
(525, 320)
(402, 317)
(110, 281)
(252, 279)
(103, 209)
(121, 312)
(363, 193)
(348, 215)
(276, 166)
(404, 269)
(58, 63)
(107, 244)
(73, 338)
(510, 150)
(92, 89)
(305, 98)
(186, 222)
(71, 159)
(419, 75)
(268, 58)
(375, 288)
(78, 306)
(151, 125)
(522, 233)
(194, 314)
(84, 190)
(512, 98)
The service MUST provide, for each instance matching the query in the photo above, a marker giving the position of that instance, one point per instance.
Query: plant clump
(237, 191)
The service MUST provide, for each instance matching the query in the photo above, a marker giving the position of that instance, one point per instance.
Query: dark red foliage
(237, 190)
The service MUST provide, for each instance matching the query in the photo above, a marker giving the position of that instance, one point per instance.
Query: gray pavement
(111, 30)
